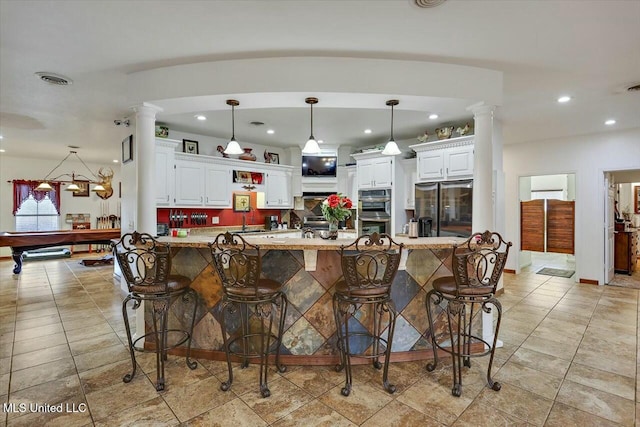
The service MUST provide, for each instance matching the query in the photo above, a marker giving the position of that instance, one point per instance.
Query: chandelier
(73, 186)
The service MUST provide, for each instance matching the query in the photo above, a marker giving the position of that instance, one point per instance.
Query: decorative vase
(333, 229)
(247, 155)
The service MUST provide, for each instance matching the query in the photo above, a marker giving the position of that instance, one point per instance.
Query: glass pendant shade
(233, 147)
(311, 147)
(391, 149)
(44, 186)
(99, 187)
(72, 187)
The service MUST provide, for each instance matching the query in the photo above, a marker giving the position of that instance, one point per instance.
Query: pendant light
(311, 147)
(233, 147)
(71, 178)
(391, 149)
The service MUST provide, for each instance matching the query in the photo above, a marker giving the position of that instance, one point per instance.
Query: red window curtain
(22, 188)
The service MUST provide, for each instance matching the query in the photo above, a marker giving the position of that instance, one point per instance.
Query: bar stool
(255, 300)
(146, 266)
(477, 265)
(369, 265)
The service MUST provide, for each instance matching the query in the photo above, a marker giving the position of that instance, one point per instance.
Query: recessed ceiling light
(564, 99)
(433, 116)
(367, 131)
(320, 141)
(1, 136)
(271, 131)
(115, 161)
(53, 78)
(610, 122)
(201, 117)
(1, 150)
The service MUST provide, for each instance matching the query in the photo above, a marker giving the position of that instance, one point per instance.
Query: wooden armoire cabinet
(626, 250)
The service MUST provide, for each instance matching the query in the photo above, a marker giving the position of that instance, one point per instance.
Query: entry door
(609, 229)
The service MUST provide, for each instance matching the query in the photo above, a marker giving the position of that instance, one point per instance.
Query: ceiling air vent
(256, 123)
(54, 79)
(429, 3)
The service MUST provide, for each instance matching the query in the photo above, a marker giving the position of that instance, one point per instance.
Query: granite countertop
(201, 240)
(250, 230)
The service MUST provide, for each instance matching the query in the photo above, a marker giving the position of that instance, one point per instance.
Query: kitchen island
(309, 270)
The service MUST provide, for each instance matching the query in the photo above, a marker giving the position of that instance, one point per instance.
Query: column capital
(146, 109)
(481, 108)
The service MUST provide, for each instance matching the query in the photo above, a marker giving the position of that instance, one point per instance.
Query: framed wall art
(274, 158)
(127, 149)
(84, 188)
(241, 202)
(189, 146)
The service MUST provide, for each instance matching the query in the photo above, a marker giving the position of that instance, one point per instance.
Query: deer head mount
(106, 175)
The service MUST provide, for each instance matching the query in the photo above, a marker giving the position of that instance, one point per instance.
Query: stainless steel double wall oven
(374, 211)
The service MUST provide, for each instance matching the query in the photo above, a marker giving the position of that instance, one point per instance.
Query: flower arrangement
(336, 208)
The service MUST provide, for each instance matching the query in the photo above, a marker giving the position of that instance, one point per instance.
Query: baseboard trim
(589, 282)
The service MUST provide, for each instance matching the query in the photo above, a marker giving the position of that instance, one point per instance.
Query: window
(35, 210)
(37, 216)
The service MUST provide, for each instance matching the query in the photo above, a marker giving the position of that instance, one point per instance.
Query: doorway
(547, 222)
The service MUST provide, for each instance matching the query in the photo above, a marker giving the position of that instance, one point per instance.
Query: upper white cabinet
(374, 170)
(189, 183)
(410, 170)
(278, 189)
(445, 159)
(165, 177)
(217, 185)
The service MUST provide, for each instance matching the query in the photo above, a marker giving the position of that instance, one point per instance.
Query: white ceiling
(587, 49)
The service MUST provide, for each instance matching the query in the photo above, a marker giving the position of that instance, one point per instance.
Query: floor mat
(555, 272)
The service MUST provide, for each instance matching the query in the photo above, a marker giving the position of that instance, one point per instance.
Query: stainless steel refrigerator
(446, 206)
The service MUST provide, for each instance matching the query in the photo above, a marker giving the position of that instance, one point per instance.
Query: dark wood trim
(589, 281)
(499, 292)
(508, 270)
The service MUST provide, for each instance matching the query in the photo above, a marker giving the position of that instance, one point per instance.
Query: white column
(145, 160)
(145, 155)
(483, 187)
(483, 197)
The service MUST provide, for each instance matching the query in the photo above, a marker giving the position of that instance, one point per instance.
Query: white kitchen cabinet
(410, 177)
(278, 189)
(165, 178)
(431, 165)
(459, 162)
(189, 183)
(217, 185)
(445, 159)
(376, 172)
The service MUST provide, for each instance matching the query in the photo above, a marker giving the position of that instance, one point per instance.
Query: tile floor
(569, 358)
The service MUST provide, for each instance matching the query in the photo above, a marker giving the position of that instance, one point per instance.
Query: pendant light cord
(233, 123)
(392, 123)
(312, 137)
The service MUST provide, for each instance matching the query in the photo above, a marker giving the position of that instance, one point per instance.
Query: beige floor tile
(542, 362)
(178, 374)
(41, 331)
(196, 398)
(553, 348)
(154, 412)
(106, 376)
(399, 414)
(85, 333)
(610, 358)
(21, 379)
(120, 396)
(315, 380)
(39, 343)
(232, 414)
(596, 402)
(38, 357)
(518, 403)
(605, 381)
(101, 357)
(562, 416)
(285, 398)
(62, 390)
(315, 414)
(363, 401)
(432, 397)
(94, 344)
(538, 382)
(479, 415)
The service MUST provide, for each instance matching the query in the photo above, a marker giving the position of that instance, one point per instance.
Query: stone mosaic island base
(309, 270)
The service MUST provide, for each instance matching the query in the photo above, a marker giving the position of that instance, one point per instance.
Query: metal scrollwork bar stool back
(477, 265)
(146, 267)
(250, 304)
(369, 266)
